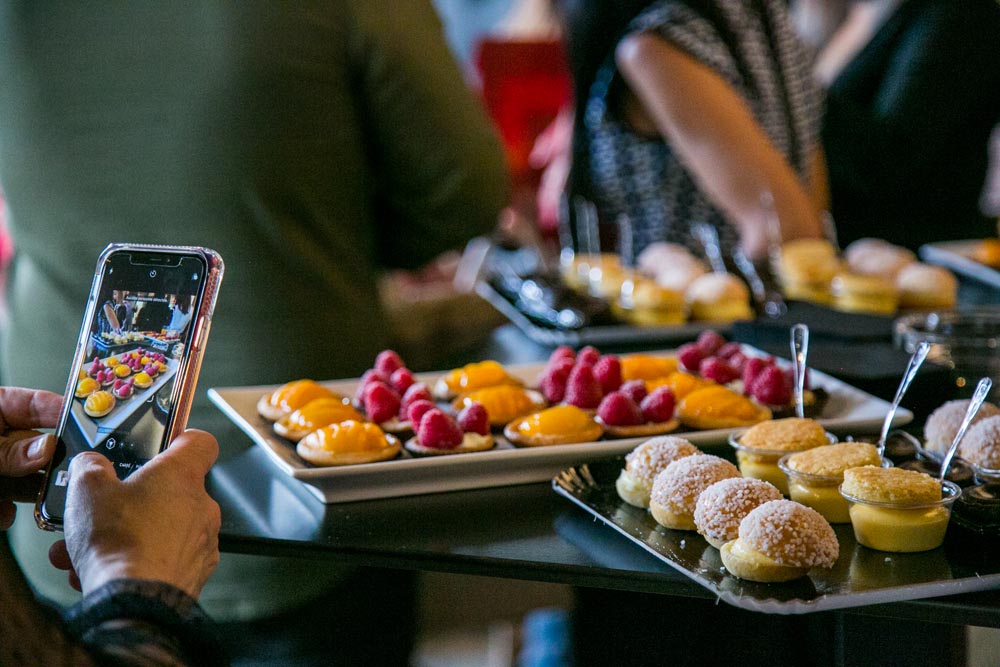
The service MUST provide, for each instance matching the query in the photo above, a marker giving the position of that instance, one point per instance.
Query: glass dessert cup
(901, 527)
(978, 509)
(763, 463)
(820, 492)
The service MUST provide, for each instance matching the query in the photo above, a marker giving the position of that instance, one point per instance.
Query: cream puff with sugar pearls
(645, 462)
(925, 286)
(291, 396)
(676, 489)
(876, 257)
(722, 506)
(719, 297)
(314, 415)
(780, 540)
(348, 443)
(942, 424)
(981, 444)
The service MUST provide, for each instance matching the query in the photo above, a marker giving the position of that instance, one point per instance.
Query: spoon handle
(800, 349)
(982, 389)
(708, 236)
(911, 371)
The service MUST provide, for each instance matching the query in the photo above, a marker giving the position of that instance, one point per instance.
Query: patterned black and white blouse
(751, 44)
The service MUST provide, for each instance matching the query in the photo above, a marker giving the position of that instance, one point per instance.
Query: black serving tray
(861, 576)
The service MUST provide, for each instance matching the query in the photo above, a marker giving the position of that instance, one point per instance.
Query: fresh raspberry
(617, 409)
(789, 372)
(728, 350)
(659, 405)
(387, 362)
(415, 392)
(367, 378)
(717, 369)
(402, 379)
(769, 387)
(634, 389)
(418, 409)
(381, 401)
(439, 431)
(709, 341)
(553, 382)
(751, 370)
(562, 352)
(582, 388)
(588, 355)
(473, 419)
(738, 362)
(690, 356)
(608, 371)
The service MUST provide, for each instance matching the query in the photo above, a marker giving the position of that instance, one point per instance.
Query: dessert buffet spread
(395, 433)
(733, 530)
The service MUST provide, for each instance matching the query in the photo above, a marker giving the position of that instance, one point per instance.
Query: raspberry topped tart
(438, 433)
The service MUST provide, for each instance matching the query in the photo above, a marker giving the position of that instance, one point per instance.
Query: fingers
(195, 449)
(25, 452)
(59, 556)
(7, 513)
(28, 408)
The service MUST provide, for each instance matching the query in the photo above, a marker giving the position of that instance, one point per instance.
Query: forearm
(715, 134)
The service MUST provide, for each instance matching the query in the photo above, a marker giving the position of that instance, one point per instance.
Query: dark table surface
(521, 532)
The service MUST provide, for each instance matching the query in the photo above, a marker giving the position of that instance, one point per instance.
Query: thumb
(196, 450)
(90, 469)
(28, 452)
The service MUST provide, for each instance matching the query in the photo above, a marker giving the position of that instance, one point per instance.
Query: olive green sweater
(311, 144)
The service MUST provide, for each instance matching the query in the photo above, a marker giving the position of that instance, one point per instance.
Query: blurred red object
(6, 244)
(525, 83)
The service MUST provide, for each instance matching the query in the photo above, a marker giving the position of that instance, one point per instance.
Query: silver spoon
(708, 236)
(915, 362)
(982, 389)
(800, 349)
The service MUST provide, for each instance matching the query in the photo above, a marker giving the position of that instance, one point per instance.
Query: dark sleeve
(126, 623)
(440, 170)
(137, 623)
(942, 70)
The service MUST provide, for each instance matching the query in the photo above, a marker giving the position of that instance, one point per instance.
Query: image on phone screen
(135, 344)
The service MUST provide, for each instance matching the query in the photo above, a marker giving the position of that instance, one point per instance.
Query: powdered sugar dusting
(981, 444)
(791, 534)
(943, 423)
(648, 459)
(677, 487)
(722, 506)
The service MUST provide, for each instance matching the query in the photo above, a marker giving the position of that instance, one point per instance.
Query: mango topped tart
(314, 415)
(291, 396)
(503, 403)
(647, 367)
(718, 407)
(471, 377)
(559, 425)
(346, 443)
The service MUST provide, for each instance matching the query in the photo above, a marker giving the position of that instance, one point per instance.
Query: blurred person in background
(313, 147)
(695, 111)
(913, 93)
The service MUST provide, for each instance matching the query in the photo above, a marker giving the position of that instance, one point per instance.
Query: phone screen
(134, 346)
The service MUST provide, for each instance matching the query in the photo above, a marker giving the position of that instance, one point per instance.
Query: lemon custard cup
(815, 475)
(896, 510)
(759, 448)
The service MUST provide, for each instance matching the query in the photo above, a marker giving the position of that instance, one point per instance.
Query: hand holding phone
(136, 364)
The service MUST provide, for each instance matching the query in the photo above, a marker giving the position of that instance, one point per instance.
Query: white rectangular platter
(848, 411)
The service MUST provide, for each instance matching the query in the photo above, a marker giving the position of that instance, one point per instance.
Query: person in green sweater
(312, 146)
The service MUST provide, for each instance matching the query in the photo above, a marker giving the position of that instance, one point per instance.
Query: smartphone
(136, 364)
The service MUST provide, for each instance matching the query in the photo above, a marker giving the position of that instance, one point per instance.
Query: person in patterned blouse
(692, 111)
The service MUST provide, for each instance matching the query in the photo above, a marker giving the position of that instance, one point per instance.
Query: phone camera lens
(152, 273)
